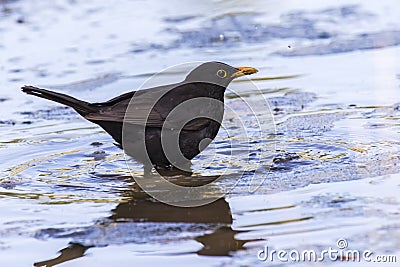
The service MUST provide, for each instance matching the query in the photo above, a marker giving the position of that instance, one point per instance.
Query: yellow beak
(244, 71)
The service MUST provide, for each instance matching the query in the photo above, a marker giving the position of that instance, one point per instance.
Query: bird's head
(217, 73)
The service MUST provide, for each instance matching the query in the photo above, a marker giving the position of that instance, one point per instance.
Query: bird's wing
(140, 114)
(143, 110)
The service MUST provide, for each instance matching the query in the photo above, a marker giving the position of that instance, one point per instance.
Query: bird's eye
(221, 73)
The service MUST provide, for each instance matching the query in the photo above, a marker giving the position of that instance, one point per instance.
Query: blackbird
(188, 114)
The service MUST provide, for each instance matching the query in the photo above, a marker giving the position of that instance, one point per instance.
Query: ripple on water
(58, 165)
(315, 217)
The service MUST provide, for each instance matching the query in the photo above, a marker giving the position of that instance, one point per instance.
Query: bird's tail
(80, 106)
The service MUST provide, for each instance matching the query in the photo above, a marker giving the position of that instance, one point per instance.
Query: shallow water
(330, 74)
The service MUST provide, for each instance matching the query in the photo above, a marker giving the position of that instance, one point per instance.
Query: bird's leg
(147, 170)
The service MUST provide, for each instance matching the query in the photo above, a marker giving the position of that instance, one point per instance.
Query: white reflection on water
(338, 118)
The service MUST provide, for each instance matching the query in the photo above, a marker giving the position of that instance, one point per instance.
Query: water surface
(330, 74)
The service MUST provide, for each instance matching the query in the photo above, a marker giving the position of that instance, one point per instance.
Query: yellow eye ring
(221, 73)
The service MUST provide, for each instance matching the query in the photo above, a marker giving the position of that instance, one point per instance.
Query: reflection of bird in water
(221, 242)
(149, 210)
(149, 113)
(216, 216)
(73, 251)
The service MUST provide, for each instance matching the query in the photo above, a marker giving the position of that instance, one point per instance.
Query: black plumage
(147, 115)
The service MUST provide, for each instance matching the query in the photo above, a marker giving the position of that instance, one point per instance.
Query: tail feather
(80, 106)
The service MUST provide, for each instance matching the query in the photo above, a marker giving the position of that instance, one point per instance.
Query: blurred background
(329, 69)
